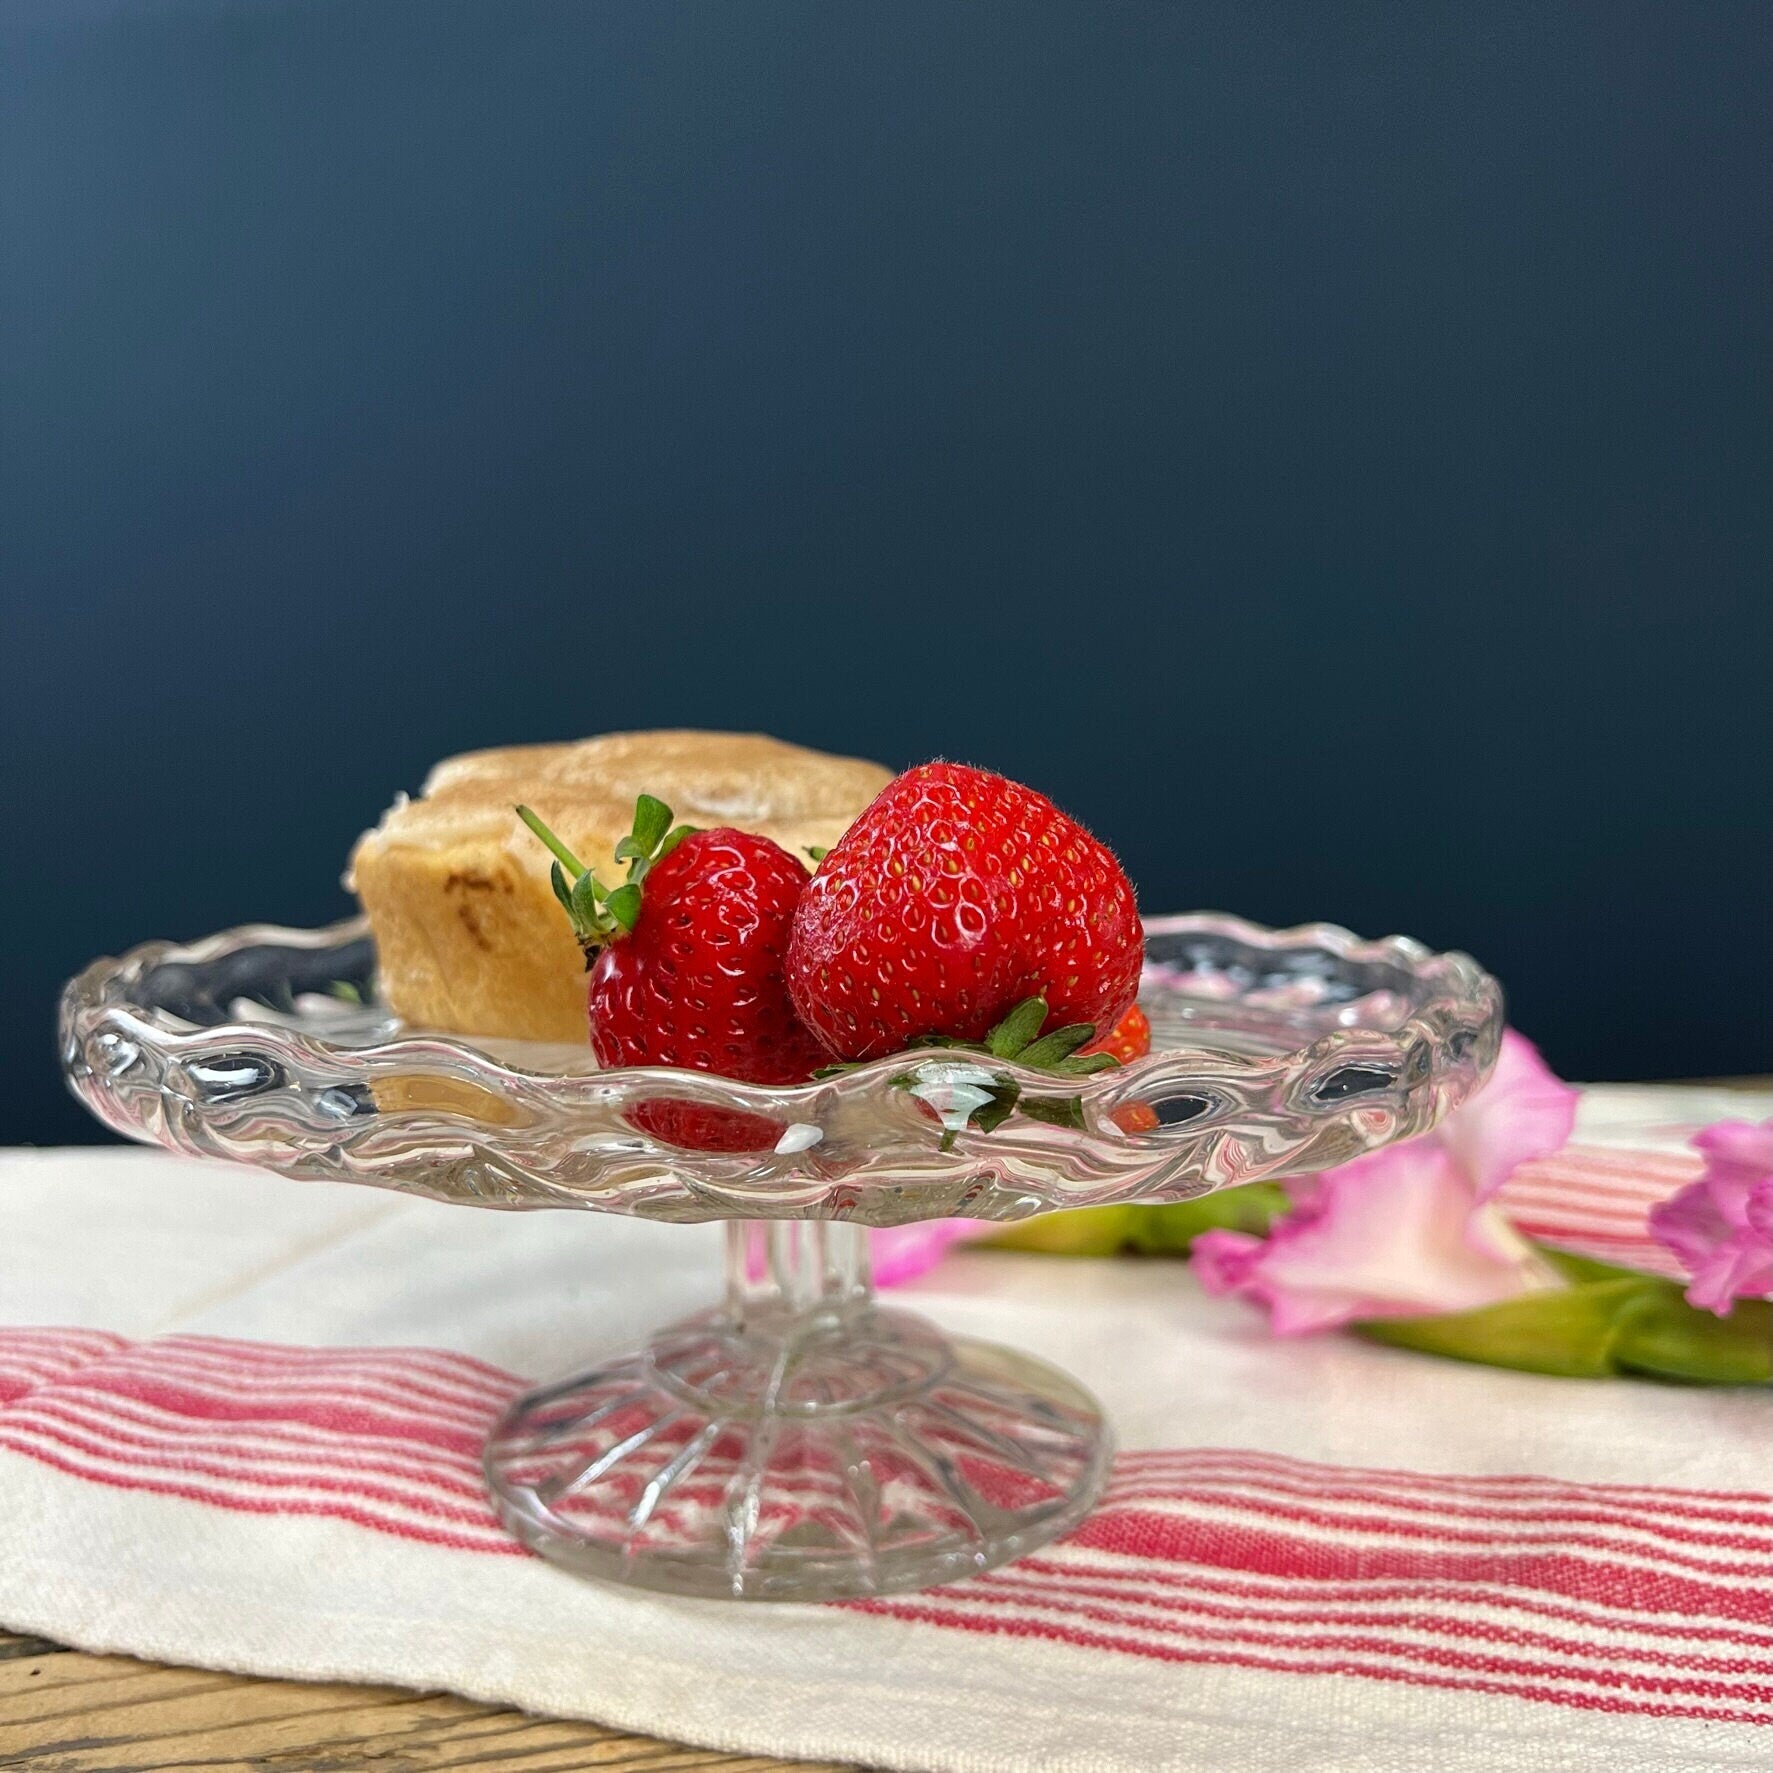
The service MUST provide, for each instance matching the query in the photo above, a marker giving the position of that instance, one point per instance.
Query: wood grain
(65, 1712)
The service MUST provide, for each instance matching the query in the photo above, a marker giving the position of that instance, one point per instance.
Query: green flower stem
(1670, 1339)
(1607, 1322)
(1146, 1231)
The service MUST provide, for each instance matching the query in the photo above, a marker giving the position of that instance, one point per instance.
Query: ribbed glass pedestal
(798, 1443)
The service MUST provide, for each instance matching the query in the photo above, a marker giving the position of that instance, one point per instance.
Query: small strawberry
(1127, 1040)
(1136, 1117)
(686, 965)
(956, 895)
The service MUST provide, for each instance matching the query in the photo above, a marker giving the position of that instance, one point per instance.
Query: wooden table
(65, 1712)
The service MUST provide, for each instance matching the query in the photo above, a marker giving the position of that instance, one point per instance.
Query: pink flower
(904, 1252)
(1721, 1227)
(1407, 1230)
(1525, 1111)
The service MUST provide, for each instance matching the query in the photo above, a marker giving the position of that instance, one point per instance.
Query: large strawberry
(686, 966)
(955, 896)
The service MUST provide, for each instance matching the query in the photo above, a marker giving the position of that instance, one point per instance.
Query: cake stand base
(798, 1443)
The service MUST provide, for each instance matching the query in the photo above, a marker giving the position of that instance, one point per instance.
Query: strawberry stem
(568, 860)
(599, 913)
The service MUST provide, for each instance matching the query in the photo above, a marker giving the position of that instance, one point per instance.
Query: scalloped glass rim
(1275, 1052)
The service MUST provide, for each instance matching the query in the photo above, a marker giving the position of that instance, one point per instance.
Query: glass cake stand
(798, 1441)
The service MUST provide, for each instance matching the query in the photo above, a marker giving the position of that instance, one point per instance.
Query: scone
(469, 935)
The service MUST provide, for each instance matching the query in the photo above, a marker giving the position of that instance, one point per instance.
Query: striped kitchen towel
(240, 1422)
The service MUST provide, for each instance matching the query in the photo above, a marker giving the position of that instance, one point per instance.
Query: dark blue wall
(1327, 447)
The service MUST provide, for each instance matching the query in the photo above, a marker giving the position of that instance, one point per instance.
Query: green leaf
(652, 820)
(1060, 1044)
(1017, 1029)
(818, 852)
(1056, 1111)
(563, 892)
(1085, 1065)
(623, 905)
(586, 904)
(989, 1116)
(674, 837)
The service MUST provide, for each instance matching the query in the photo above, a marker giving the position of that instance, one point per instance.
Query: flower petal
(1523, 1112)
(1225, 1261)
(905, 1251)
(1690, 1223)
(1398, 1233)
(1746, 1143)
(1721, 1226)
(1757, 1211)
(1735, 1269)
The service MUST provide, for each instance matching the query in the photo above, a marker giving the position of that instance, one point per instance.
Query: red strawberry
(1136, 1117)
(956, 895)
(1127, 1040)
(688, 967)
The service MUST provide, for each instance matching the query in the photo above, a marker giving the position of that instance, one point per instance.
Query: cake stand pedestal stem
(795, 1267)
(799, 1442)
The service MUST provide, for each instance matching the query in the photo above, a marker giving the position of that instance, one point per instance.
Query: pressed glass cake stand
(798, 1441)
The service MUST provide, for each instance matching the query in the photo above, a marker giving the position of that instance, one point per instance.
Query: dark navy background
(1327, 447)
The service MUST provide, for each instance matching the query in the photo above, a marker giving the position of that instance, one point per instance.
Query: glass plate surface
(1275, 1052)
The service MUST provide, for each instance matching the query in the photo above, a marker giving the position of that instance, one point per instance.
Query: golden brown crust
(468, 933)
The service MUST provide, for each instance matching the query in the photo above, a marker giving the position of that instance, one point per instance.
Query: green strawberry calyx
(601, 913)
(964, 1091)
